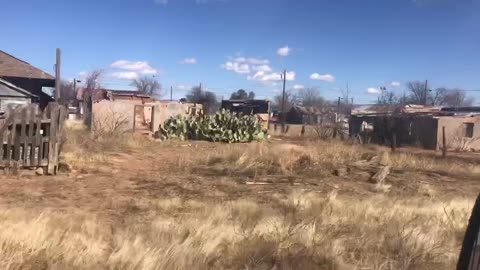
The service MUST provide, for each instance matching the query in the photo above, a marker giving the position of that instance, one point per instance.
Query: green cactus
(223, 126)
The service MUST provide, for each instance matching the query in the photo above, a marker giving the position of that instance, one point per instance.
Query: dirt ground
(123, 193)
(157, 173)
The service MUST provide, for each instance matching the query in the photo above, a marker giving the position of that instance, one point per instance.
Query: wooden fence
(31, 138)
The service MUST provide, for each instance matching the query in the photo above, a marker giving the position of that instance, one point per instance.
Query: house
(12, 95)
(259, 107)
(418, 125)
(27, 77)
(132, 111)
(309, 115)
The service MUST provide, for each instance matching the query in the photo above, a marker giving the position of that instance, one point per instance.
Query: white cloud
(125, 75)
(284, 51)
(183, 87)
(161, 2)
(395, 83)
(240, 68)
(82, 73)
(189, 61)
(251, 60)
(265, 68)
(298, 87)
(263, 76)
(324, 77)
(374, 91)
(140, 67)
(203, 2)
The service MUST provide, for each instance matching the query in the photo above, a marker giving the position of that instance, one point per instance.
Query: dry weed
(304, 231)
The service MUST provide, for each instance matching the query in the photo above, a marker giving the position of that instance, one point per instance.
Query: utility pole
(338, 110)
(426, 93)
(57, 76)
(283, 100)
(346, 101)
(75, 86)
(171, 93)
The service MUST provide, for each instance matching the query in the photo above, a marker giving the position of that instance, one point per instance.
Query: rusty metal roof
(10, 66)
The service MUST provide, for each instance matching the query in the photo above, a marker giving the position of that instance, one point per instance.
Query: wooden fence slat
(3, 135)
(31, 137)
(22, 149)
(61, 119)
(52, 138)
(11, 143)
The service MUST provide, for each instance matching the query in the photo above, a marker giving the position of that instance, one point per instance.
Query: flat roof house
(419, 125)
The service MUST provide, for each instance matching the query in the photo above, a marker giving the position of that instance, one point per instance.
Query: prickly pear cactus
(223, 126)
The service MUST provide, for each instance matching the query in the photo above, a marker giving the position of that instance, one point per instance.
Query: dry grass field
(132, 203)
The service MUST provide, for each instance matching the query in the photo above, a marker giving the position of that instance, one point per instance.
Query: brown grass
(214, 223)
(318, 158)
(301, 231)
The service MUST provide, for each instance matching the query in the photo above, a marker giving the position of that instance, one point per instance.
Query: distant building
(309, 115)
(259, 107)
(418, 125)
(27, 77)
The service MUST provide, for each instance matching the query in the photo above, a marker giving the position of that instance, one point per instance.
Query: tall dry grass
(84, 150)
(318, 158)
(300, 231)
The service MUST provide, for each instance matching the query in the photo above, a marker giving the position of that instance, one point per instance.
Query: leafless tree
(92, 79)
(388, 98)
(67, 93)
(418, 92)
(91, 84)
(206, 98)
(147, 85)
(454, 98)
(310, 97)
(289, 101)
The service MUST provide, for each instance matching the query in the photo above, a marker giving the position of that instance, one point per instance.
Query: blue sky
(232, 44)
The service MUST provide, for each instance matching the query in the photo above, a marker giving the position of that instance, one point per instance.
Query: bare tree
(454, 98)
(419, 93)
(388, 98)
(147, 85)
(310, 97)
(67, 93)
(206, 98)
(92, 79)
(289, 101)
(91, 85)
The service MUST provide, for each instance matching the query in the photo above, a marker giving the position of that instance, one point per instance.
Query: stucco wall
(107, 114)
(454, 131)
(164, 110)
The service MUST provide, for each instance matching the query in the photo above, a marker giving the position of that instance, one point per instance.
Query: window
(468, 130)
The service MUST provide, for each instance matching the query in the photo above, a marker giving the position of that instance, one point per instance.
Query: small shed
(12, 95)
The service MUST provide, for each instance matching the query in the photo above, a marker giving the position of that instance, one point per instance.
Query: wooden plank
(22, 149)
(37, 142)
(3, 135)
(52, 136)
(31, 137)
(11, 143)
(61, 120)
